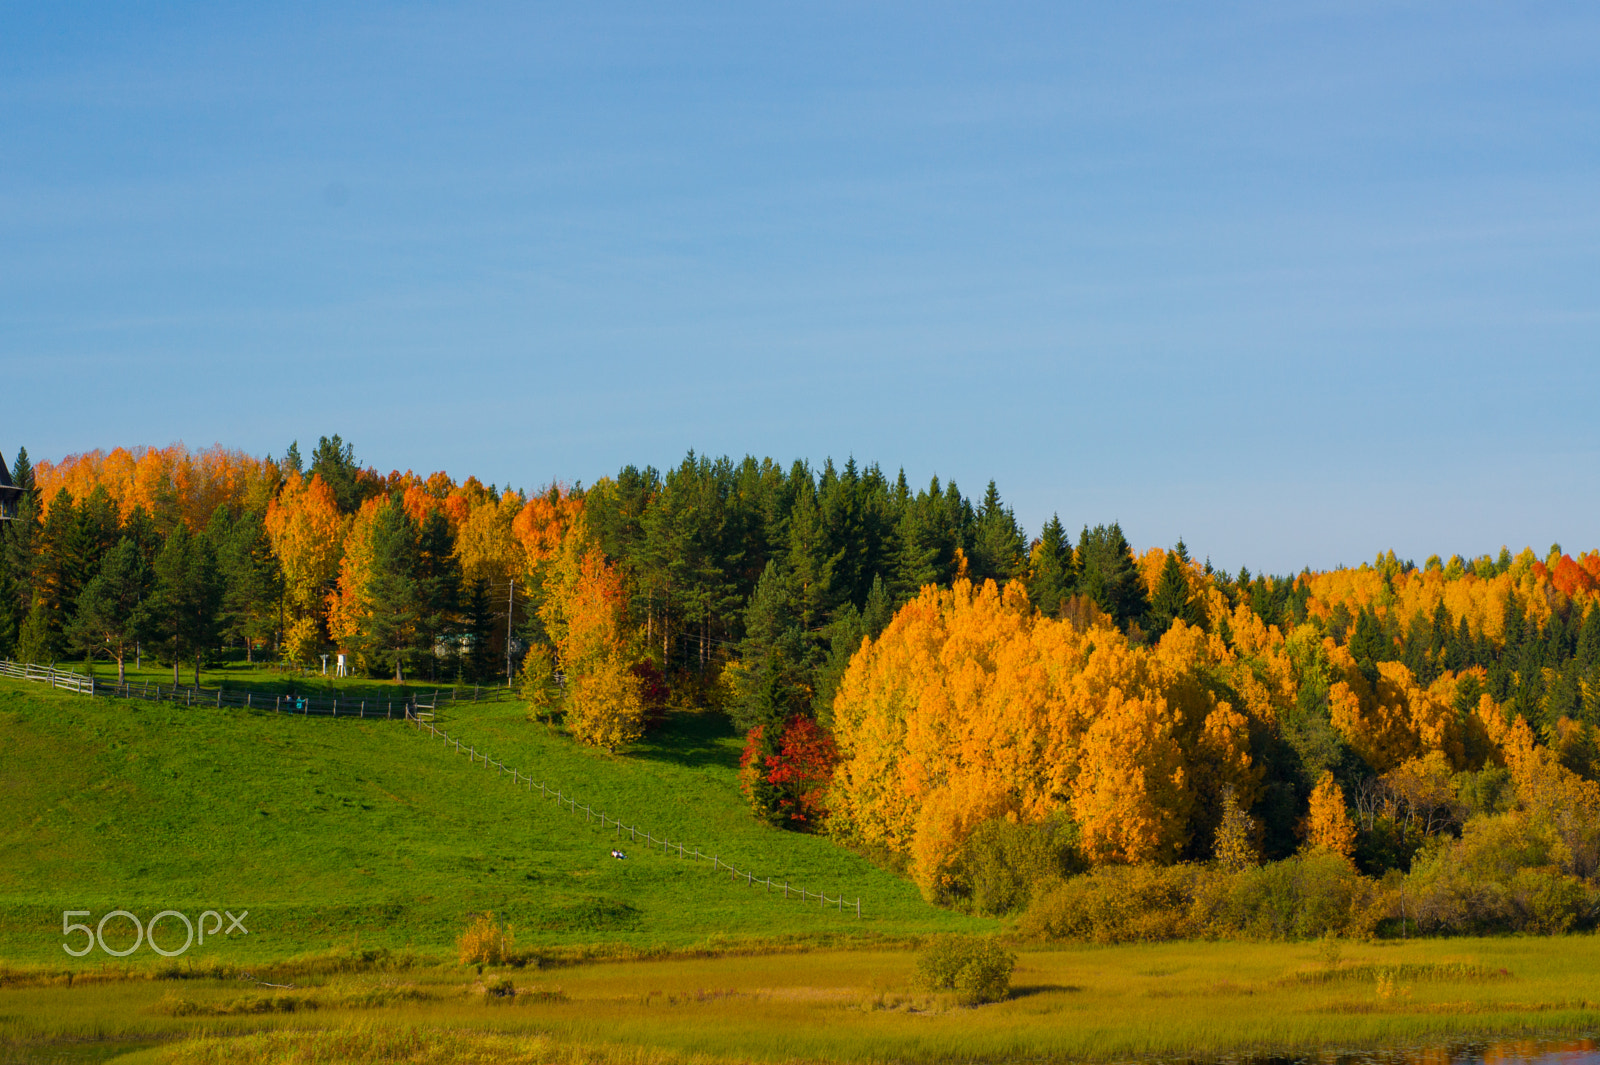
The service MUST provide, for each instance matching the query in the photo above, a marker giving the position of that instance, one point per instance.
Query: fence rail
(635, 834)
(56, 678)
(418, 704)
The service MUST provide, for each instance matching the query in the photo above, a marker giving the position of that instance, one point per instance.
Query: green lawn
(342, 832)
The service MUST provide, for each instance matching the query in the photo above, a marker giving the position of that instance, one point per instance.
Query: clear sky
(1296, 282)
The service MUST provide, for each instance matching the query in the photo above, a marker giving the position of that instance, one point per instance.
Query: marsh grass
(1089, 1003)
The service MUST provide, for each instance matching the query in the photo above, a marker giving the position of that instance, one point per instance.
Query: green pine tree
(335, 462)
(1054, 576)
(1173, 601)
(113, 612)
(187, 599)
(770, 685)
(999, 550)
(1109, 575)
(391, 589)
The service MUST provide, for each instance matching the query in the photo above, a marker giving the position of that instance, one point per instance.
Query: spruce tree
(252, 581)
(772, 653)
(1173, 600)
(335, 462)
(64, 555)
(438, 585)
(22, 473)
(1367, 644)
(391, 589)
(477, 634)
(1109, 575)
(187, 598)
(999, 550)
(1053, 576)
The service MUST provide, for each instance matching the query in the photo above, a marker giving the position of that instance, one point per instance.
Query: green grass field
(342, 832)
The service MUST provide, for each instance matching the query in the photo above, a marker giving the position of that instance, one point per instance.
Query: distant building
(10, 494)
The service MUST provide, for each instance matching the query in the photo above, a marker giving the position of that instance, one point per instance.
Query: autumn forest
(1101, 741)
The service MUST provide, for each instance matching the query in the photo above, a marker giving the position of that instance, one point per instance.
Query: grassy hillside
(338, 832)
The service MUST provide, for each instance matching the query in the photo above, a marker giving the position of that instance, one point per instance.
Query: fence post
(858, 907)
(219, 698)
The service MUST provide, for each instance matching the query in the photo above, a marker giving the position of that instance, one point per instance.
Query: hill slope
(332, 832)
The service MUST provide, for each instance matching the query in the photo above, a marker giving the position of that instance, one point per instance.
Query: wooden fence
(420, 704)
(636, 834)
(63, 679)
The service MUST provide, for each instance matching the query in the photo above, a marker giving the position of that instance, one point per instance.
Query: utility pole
(511, 603)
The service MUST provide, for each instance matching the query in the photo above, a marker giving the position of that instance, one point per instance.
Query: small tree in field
(1235, 847)
(976, 968)
(486, 941)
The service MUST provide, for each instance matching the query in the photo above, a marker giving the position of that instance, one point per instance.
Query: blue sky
(1297, 285)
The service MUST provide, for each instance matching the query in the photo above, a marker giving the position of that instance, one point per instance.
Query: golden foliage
(971, 706)
(307, 533)
(485, 545)
(485, 941)
(1328, 825)
(585, 614)
(541, 525)
(1235, 846)
(348, 608)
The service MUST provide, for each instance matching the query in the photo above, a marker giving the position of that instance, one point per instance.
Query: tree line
(912, 671)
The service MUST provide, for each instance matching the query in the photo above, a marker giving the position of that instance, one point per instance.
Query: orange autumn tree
(541, 526)
(585, 615)
(971, 706)
(307, 534)
(1328, 825)
(172, 484)
(349, 608)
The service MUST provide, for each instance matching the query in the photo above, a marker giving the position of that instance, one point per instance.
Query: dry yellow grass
(1105, 1003)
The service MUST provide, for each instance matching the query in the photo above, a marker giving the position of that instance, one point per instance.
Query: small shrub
(977, 969)
(499, 989)
(1116, 904)
(1003, 864)
(485, 942)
